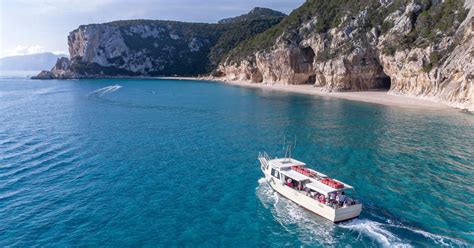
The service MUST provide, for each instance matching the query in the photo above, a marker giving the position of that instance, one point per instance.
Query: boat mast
(294, 143)
(288, 148)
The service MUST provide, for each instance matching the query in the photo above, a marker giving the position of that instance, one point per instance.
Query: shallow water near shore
(147, 162)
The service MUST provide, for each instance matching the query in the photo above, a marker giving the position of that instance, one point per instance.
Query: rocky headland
(156, 48)
(417, 48)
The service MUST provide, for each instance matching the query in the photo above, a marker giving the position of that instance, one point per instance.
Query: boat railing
(263, 155)
(264, 158)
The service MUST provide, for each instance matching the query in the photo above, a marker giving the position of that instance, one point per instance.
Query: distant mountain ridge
(255, 14)
(31, 62)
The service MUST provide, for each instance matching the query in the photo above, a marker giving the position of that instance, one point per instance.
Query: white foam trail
(375, 231)
(311, 229)
(43, 91)
(105, 90)
(262, 180)
(438, 239)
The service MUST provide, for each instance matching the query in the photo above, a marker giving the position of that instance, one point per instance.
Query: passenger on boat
(340, 197)
(289, 183)
(318, 196)
(300, 186)
(332, 196)
(322, 199)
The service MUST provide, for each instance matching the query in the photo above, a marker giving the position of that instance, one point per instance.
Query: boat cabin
(310, 189)
(293, 173)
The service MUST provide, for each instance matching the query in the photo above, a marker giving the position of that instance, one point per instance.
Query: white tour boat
(310, 189)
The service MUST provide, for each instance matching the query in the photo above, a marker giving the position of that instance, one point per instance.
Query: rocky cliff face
(157, 48)
(141, 48)
(417, 48)
(421, 48)
(443, 71)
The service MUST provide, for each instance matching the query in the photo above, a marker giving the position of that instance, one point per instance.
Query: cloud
(62, 6)
(25, 50)
(60, 52)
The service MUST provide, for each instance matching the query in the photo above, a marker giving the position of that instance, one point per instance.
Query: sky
(34, 26)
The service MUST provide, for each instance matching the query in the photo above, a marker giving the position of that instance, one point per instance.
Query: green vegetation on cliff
(431, 22)
(236, 33)
(434, 22)
(326, 14)
(255, 14)
(160, 48)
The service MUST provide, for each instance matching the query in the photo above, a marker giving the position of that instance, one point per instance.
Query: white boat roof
(325, 189)
(285, 162)
(294, 175)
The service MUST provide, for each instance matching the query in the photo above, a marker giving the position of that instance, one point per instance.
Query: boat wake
(437, 239)
(105, 90)
(312, 229)
(380, 232)
(375, 231)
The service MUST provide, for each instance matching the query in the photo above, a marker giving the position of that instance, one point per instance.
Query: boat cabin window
(275, 173)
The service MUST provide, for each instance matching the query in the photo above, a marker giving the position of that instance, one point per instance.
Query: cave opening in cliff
(308, 54)
(385, 82)
(308, 59)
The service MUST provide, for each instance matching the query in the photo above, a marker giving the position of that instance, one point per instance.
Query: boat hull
(300, 198)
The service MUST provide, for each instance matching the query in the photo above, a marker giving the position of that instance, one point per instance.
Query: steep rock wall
(358, 56)
(141, 48)
(412, 71)
(159, 48)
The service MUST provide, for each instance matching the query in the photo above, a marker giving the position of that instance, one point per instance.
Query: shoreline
(375, 97)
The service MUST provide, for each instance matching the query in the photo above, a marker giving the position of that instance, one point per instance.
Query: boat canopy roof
(294, 175)
(285, 162)
(326, 189)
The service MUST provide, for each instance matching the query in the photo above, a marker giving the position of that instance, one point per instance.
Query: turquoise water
(173, 163)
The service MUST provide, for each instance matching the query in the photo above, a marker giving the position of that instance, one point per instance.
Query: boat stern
(347, 213)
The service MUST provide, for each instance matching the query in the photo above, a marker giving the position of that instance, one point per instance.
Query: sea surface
(174, 163)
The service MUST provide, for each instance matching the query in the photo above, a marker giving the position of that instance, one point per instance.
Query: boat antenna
(290, 148)
(284, 146)
(294, 144)
(289, 152)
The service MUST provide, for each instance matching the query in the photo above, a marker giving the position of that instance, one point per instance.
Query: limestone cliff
(418, 48)
(421, 48)
(157, 48)
(141, 48)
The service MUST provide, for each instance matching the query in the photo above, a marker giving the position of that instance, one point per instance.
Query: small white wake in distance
(106, 90)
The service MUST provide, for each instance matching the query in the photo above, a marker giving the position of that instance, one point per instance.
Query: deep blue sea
(173, 163)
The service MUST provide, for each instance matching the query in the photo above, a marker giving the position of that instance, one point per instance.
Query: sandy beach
(377, 97)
